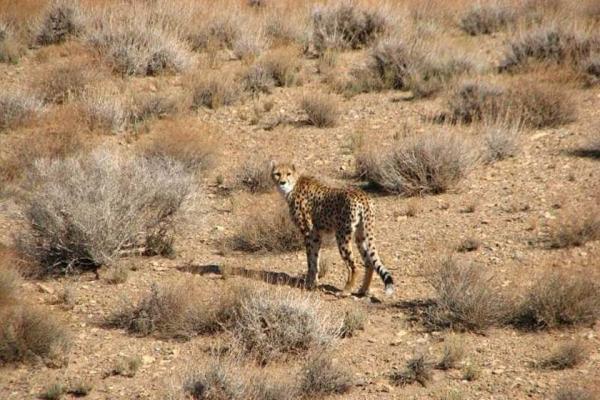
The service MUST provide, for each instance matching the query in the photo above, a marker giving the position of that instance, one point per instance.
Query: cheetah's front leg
(313, 248)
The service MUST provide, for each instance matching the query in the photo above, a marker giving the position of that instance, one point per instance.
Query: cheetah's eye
(277, 175)
(289, 173)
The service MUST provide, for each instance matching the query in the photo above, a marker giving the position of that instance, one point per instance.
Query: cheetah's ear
(293, 168)
(272, 164)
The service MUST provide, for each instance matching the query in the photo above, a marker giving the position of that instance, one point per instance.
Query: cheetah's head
(284, 175)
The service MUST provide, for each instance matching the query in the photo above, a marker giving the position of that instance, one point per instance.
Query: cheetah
(316, 209)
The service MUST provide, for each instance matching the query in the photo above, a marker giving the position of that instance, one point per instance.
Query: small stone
(45, 288)
(146, 359)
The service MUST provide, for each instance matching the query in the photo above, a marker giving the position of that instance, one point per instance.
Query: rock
(146, 359)
(44, 288)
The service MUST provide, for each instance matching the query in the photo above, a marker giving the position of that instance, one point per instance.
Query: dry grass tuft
(136, 42)
(567, 355)
(84, 211)
(271, 325)
(574, 229)
(431, 163)
(270, 231)
(192, 146)
(167, 311)
(502, 139)
(104, 109)
(214, 91)
(534, 105)
(151, 106)
(53, 392)
(27, 333)
(550, 44)
(10, 281)
(346, 26)
(322, 378)
(452, 354)
(117, 275)
(466, 298)
(126, 366)
(557, 300)
(17, 107)
(483, 19)
(10, 47)
(255, 176)
(28, 148)
(62, 83)
(61, 20)
(322, 110)
(282, 66)
(468, 245)
(417, 369)
(573, 393)
(257, 79)
(354, 320)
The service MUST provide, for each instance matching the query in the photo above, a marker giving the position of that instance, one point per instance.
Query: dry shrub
(254, 175)
(84, 211)
(192, 146)
(117, 275)
(591, 69)
(452, 355)
(408, 65)
(271, 325)
(149, 106)
(282, 66)
(249, 47)
(575, 229)
(167, 311)
(271, 231)
(104, 109)
(233, 379)
(417, 369)
(467, 245)
(26, 149)
(557, 299)
(550, 44)
(346, 26)
(257, 79)
(219, 31)
(354, 319)
(214, 91)
(322, 377)
(17, 107)
(61, 20)
(567, 355)
(426, 164)
(10, 48)
(10, 281)
(502, 139)
(322, 110)
(62, 83)
(136, 42)
(126, 366)
(573, 393)
(27, 333)
(466, 298)
(483, 19)
(535, 105)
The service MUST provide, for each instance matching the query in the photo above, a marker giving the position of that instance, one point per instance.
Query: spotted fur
(316, 209)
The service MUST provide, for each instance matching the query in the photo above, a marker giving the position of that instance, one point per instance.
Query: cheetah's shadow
(270, 277)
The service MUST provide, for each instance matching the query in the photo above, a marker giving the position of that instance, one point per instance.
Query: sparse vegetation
(345, 25)
(194, 147)
(53, 392)
(322, 377)
(322, 110)
(467, 245)
(271, 231)
(83, 211)
(557, 300)
(417, 369)
(254, 175)
(573, 229)
(483, 19)
(471, 371)
(452, 355)
(280, 66)
(27, 332)
(431, 163)
(567, 355)
(17, 107)
(105, 109)
(354, 319)
(573, 393)
(61, 20)
(502, 140)
(466, 298)
(147, 107)
(62, 83)
(214, 91)
(535, 105)
(9, 283)
(273, 324)
(117, 275)
(126, 366)
(79, 389)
